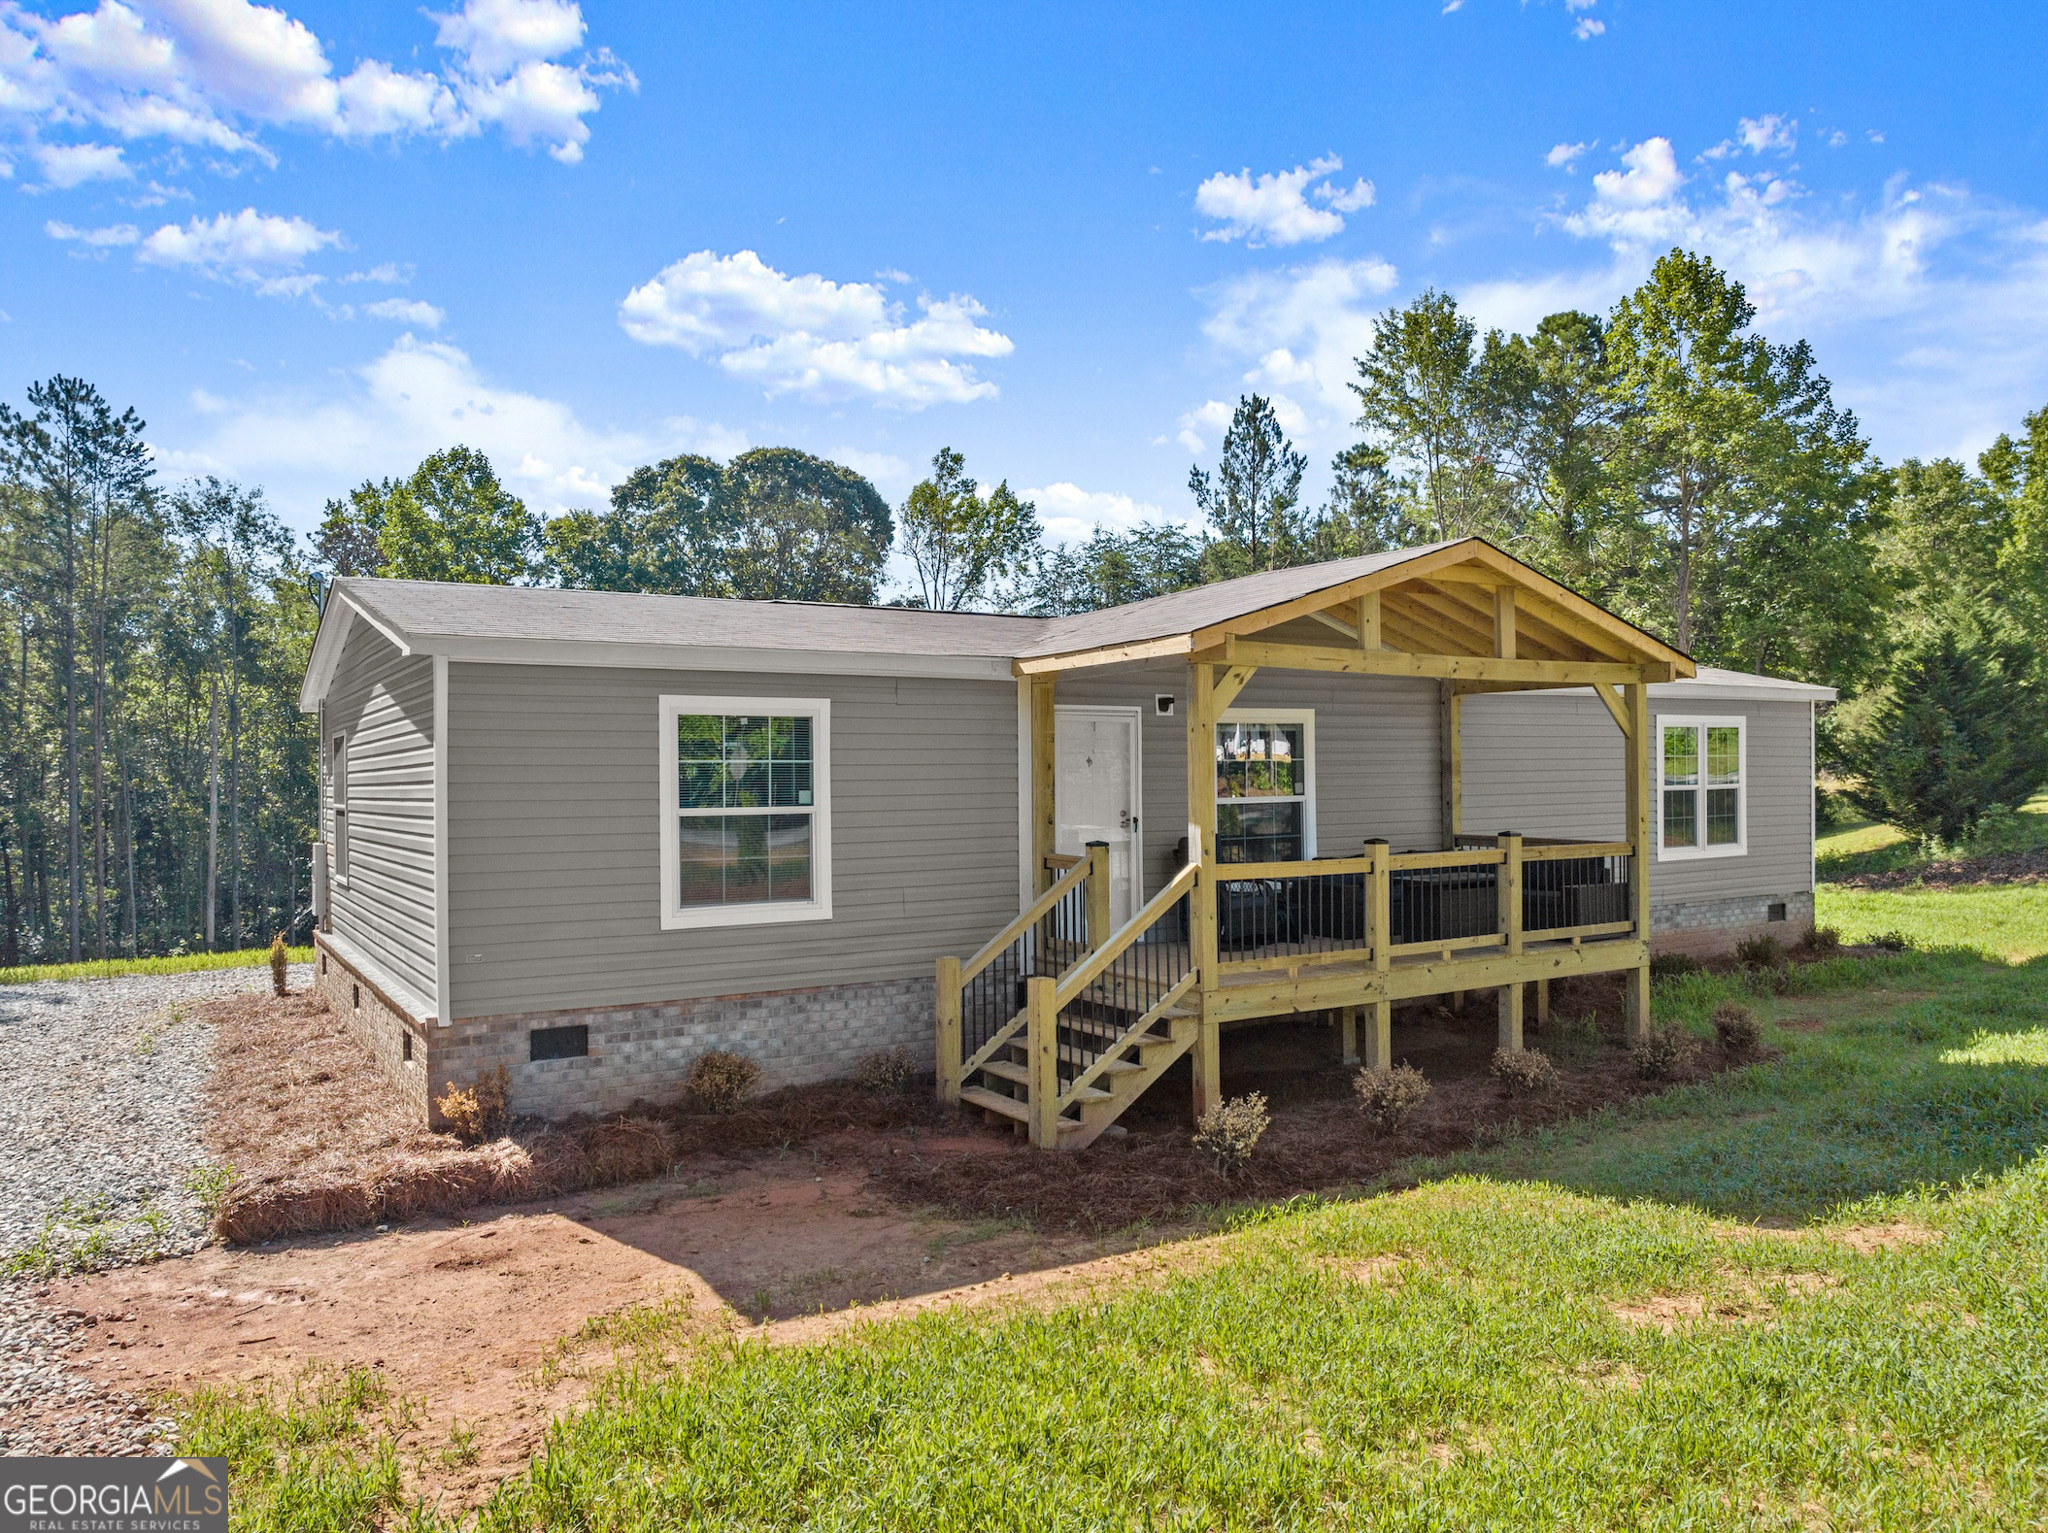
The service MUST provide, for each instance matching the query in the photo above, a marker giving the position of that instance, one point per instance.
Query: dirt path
(483, 1323)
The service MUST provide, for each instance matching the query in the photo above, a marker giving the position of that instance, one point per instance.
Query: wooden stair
(1119, 1016)
(1003, 1081)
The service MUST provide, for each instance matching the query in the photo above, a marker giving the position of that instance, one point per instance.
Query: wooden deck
(1272, 985)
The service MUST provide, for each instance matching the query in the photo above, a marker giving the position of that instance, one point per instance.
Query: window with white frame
(1702, 796)
(1265, 803)
(337, 788)
(746, 805)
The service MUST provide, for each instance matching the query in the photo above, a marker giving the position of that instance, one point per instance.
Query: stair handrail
(1089, 969)
(1033, 914)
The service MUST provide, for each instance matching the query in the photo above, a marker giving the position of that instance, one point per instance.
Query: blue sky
(311, 244)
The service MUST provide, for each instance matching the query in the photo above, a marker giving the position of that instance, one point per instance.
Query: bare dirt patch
(492, 1326)
(1869, 1239)
(1748, 1302)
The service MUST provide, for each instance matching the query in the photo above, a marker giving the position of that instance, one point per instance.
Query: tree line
(1664, 458)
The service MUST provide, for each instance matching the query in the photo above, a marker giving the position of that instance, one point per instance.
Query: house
(589, 836)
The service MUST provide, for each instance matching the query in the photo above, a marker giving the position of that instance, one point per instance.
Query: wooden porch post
(949, 1031)
(1208, 1051)
(1041, 1039)
(1636, 699)
(1379, 1038)
(1511, 996)
(1098, 894)
(1450, 713)
(1042, 764)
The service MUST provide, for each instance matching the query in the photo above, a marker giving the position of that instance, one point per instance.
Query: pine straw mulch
(317, 1138)
(2028, 867)
(320, 1141)
(1317, 1141)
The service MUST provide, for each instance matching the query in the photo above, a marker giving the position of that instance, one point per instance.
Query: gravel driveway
(100, 1163)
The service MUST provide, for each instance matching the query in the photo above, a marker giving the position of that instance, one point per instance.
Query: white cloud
(111, 235)
(1586, 28)
(419, 397)
(1069, 513)
(1274, 209)
(1564, 156)
(67, 165)
(1203, 427)
(809, 335)
(1637, 203)
(1770, 132)
(409, 311)
(1299, 330)
(214, 73)
(259, 249)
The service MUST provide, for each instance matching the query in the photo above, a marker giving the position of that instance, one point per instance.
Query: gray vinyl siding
(1553, 766)
(1375, 767)
(554, 844)
(384, 702)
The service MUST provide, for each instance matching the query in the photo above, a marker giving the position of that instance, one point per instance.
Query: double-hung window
(1702, 788)
(1265, 805)
(746, 835)
(337, 787)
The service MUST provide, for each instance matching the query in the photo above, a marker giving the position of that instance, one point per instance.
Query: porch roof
(1485, 615)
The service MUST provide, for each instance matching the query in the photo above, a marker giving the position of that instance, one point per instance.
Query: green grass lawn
(1668, 1316)
(116, 968)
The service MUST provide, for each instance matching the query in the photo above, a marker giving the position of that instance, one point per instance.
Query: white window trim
(1306, 717)
(674, 917)
(338, 813)
(1702, 721)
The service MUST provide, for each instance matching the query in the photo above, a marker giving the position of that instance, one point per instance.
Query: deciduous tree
(963, 545)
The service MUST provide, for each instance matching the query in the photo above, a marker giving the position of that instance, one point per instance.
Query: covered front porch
(1071, 1012)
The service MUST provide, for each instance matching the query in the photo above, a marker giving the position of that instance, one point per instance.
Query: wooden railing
(980, 1001)
(1081, 1025)
(1385, 905)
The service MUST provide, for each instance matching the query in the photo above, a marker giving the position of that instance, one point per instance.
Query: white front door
(1096, 794)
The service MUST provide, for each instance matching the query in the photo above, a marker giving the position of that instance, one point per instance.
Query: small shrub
(1821, 941)
(719, 1081)
(280, 964)
(1664, 1053)
(1387, 1097)
(1673, 965)
(477, 1112)
(1763, 951)
(1892, 941)
(1522, 1072)
(886, 1071)
(1738, 1030)
(1228, 1134)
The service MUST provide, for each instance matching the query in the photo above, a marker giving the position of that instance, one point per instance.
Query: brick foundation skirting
(357, 999)
(1710, 928)
(641, 1053)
